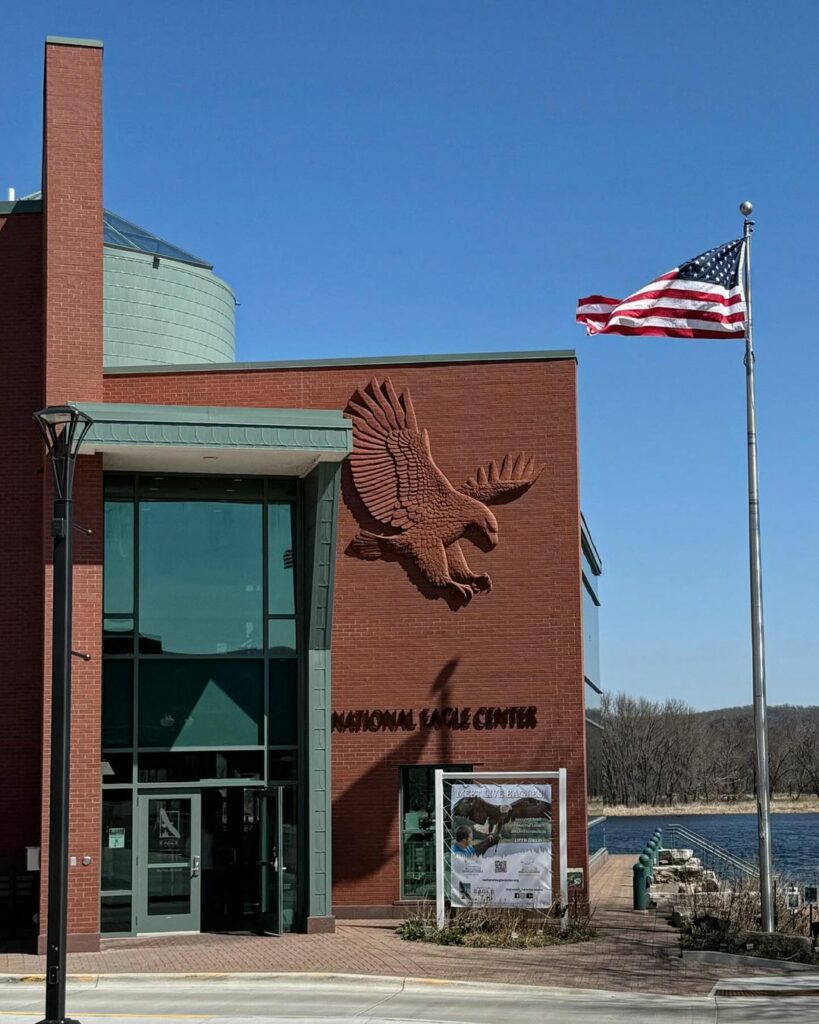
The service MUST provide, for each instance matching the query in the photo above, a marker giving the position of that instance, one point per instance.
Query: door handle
(195, 867)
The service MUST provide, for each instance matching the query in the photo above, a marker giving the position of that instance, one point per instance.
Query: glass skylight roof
(125, 235)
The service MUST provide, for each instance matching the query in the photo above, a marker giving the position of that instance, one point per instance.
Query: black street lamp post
(63, 428)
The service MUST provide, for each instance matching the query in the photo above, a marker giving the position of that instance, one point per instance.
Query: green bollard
(649, 853)
(640, 884)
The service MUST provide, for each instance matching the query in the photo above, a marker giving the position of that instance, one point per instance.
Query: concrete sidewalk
(632, 953)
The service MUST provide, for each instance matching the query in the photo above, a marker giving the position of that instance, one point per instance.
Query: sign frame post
(559, 776)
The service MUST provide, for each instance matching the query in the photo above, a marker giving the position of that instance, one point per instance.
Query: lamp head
(63, 428)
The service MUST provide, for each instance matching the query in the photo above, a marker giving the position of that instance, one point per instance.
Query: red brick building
(286, 594)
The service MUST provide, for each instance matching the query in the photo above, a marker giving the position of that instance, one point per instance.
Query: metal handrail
(695, 839)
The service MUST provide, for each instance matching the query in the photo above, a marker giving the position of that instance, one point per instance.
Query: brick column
(73, 355)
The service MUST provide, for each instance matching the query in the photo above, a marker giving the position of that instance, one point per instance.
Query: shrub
(496, 928)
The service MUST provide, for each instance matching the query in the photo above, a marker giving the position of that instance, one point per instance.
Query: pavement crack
(381, 1002)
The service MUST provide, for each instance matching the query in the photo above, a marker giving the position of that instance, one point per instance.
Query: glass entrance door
(278, 860)
(169, 863)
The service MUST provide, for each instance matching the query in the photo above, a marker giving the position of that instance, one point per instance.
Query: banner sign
(501, 845)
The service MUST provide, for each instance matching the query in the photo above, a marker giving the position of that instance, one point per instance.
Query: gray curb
(388, 984)
(717, 959)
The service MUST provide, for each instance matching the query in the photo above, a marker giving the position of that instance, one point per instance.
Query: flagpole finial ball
(746, 208)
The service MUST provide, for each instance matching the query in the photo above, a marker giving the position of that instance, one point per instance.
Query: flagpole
(757, 623)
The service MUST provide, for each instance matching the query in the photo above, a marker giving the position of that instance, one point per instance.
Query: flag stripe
(696, 305)
(672, 332)
(681, 284)
(610, 325)
(722, 297)
(702, 298)
(670, 312)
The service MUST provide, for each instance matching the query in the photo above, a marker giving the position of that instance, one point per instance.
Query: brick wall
(72, 212)
(72, 209)
(21, 597)
(394, 646)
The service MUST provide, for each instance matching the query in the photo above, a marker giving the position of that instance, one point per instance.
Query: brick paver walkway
(633, 952)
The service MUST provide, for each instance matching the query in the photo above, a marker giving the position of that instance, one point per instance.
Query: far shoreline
(778, 806)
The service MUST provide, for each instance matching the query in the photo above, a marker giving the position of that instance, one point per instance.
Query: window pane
(116, 840)
(281, 726)
(176, 766)
(116, 768)
(201, 488)
(200, 576)
(118, 636)
(280, 559)
(281, 638)
(200, 703)
(117, 703)
(282, 766)
(418, 829)
(115, 914)
(169, 891)
(169, 831)
(118, 567)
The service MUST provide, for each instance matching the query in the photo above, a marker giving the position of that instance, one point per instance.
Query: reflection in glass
(200, 703)
(418, 829)
(279, 861)
(118, 636)
(281, 638)
(116, 768)
(169, 891)
(118, 576)
(200, 576)
(178, 766)
(280, 559)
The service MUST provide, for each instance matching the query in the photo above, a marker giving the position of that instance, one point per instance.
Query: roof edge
(95, 44)
(21, 206)
(589, 547)
(127, 412)
(534, 356)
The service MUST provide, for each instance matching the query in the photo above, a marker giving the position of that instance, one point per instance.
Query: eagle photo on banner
(500, 845)
(403, 489)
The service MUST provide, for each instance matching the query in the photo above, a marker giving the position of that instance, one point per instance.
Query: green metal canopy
(201, 439)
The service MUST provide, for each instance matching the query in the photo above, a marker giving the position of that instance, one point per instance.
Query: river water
(795, 837)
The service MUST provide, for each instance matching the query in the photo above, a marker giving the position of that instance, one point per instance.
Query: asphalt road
(248, 999)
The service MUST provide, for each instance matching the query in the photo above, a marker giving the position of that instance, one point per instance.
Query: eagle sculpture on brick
(397, 480)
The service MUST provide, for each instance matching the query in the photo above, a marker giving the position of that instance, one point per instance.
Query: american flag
(703, 298)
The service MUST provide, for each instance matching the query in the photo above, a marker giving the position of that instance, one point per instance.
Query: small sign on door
(116, 838)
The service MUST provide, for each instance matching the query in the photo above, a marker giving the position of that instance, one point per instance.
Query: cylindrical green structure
(640, 883)
(161, 304)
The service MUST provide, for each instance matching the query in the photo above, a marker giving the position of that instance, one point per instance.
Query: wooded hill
(665, 752)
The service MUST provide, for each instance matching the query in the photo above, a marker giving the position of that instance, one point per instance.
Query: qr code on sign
(500, 867)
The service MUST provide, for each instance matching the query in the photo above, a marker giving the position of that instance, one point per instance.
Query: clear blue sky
(378, 177)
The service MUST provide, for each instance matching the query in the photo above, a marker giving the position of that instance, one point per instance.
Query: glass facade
(418, 829)
(201, 684)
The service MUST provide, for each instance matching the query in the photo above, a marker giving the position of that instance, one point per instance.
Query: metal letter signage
(409, 720)
(401, 488)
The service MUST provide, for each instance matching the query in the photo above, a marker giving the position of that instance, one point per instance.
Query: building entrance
(170, 861)
(221, 859)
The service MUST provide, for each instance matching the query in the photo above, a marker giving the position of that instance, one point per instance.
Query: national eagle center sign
(501, 845)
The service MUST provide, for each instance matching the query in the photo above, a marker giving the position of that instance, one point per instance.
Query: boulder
(681, 856)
